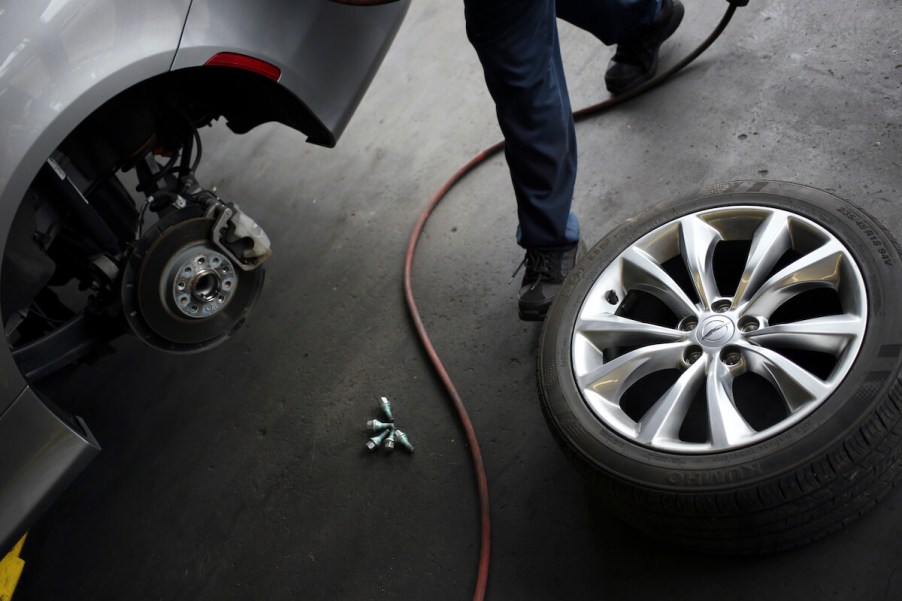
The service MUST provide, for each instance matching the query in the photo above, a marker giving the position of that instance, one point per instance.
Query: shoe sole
(676, 17)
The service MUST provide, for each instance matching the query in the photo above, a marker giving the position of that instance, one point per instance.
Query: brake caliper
(238, 236)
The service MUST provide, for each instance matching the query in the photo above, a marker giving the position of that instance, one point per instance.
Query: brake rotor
(180, 293)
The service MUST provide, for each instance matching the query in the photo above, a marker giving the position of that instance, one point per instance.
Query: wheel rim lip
(586, 356)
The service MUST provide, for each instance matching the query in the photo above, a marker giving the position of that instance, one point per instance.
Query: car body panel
(41, 452)
(62, 59)
(328, 53)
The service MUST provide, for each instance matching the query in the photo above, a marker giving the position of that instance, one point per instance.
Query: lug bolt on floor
(387, 434)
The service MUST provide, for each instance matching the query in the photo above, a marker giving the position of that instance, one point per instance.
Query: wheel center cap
(716, 331)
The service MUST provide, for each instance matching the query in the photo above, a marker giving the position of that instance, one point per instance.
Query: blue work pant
(517, 44)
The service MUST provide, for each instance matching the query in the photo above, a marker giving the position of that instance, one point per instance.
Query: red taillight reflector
(248, 63)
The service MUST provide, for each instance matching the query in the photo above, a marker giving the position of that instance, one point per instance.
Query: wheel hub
(201, 282)
(180, 293)
(716, 331)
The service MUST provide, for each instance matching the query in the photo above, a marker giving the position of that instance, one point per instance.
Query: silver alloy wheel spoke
(626, 347)
(772, 239)
(642, 272)
(828, 334)
(818, 269)
(613, 378)
(727, 426)
(665, 419)
(697, 243)
(796, 385)
(608, 330)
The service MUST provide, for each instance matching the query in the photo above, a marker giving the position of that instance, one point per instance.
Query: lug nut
(374, 425)
(403, 440)
(390, 441)
(376, 440)
(386, 408)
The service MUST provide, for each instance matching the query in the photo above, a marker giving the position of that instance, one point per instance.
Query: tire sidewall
(854, 400)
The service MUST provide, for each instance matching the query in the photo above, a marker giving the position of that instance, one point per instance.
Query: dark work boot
(636, 61)
(545, 272)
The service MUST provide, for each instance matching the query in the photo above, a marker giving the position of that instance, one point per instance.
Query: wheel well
(124, 124)
(247, 100)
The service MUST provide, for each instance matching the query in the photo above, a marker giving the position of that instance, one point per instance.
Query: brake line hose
(476, 455)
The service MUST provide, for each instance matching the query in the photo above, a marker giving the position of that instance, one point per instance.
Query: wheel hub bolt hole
(731, 357)
(749, 324)
(692, 354)
(722, 306)
(688, 324)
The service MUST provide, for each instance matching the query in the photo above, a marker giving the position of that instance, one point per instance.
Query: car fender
(327, 53)
(52, 76)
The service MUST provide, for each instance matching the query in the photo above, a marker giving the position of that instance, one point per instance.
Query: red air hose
(476, 455)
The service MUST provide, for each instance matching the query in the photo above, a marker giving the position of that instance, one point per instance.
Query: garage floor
(242, 474)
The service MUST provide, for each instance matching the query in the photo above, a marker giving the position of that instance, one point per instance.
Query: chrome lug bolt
(386, 408)
(403, 440)
(376, 440)
(374, 425)
(390, 441)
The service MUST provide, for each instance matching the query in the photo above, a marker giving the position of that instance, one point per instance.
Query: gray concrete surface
(241, 474)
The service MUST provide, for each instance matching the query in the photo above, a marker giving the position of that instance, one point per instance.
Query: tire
(751, 407)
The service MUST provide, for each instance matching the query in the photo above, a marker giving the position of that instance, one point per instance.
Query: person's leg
(517, 44)
(638, 27)
(611, 21)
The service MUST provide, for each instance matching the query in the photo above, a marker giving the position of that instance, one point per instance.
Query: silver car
(105, 229)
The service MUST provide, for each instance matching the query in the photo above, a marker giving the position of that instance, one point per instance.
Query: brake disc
(180, 293)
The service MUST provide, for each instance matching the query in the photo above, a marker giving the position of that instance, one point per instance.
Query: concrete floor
(241, 473)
